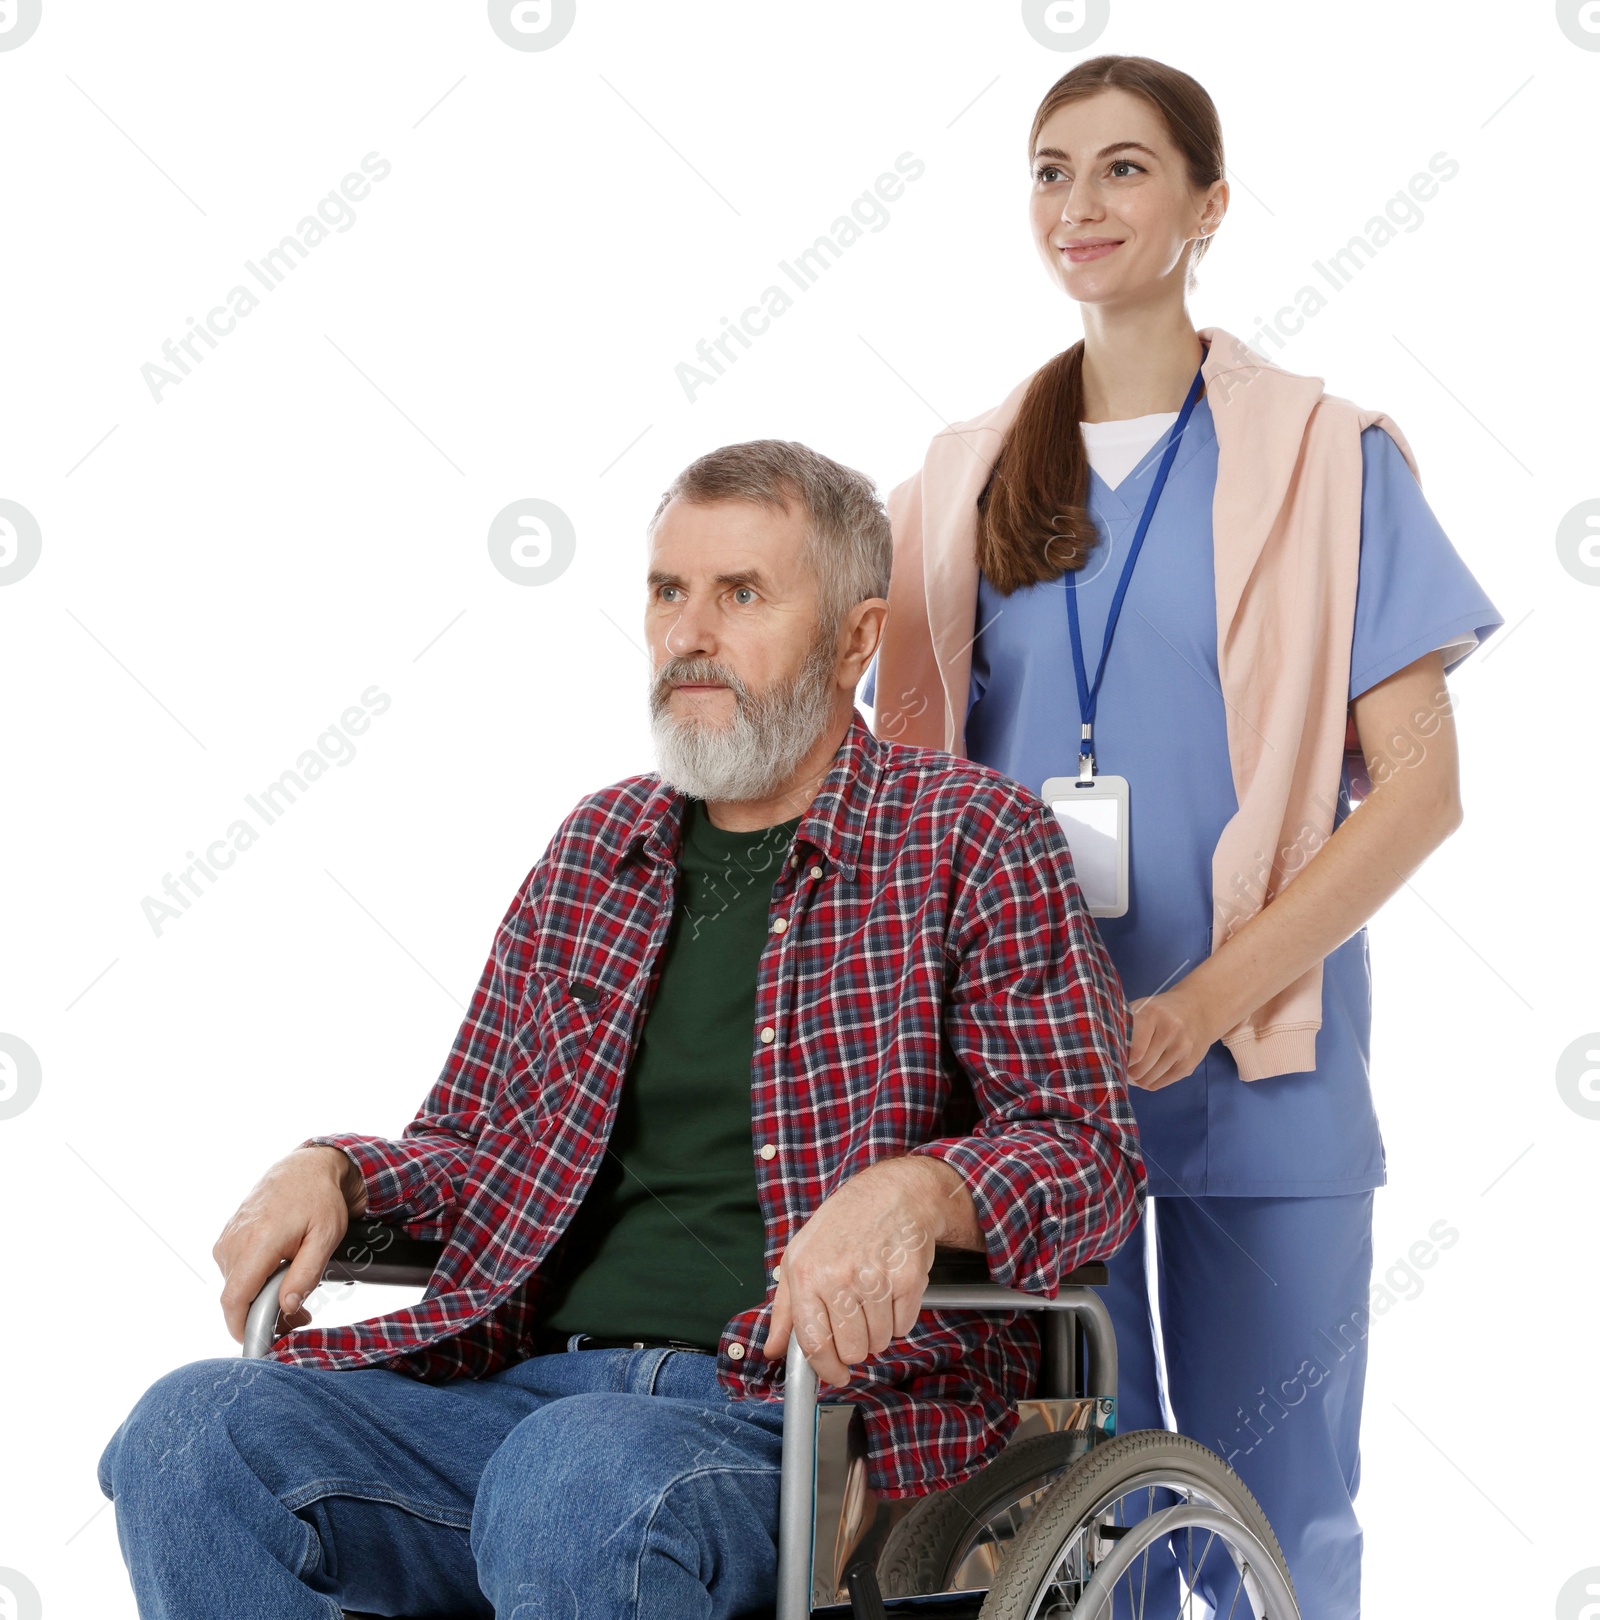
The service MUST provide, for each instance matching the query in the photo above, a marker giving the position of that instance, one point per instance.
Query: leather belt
(548, 1343)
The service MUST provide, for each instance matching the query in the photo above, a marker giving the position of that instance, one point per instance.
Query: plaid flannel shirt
(933, 984)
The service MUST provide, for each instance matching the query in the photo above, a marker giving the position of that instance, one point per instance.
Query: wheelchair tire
(1091, 1488)
(926, 1549)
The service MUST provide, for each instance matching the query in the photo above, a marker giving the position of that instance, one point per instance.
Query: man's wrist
(351, 1182)
(944, 1201)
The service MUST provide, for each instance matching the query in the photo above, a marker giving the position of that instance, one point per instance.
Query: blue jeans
(595, 1482)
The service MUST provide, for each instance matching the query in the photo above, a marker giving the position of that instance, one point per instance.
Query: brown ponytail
(1033, 518)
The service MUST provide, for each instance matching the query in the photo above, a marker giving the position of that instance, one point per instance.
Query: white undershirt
(1116, 448)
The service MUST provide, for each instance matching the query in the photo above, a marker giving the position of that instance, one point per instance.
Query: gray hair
(848, 545)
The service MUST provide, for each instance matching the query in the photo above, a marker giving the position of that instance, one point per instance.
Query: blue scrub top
(1161, 724)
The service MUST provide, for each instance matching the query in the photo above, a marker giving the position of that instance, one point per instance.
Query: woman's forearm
(1407, 733)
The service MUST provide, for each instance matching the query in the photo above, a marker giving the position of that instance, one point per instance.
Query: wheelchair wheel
(954, 1540)
(1089, 1547)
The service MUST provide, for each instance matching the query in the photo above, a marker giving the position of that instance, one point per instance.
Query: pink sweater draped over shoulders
(1286, 524)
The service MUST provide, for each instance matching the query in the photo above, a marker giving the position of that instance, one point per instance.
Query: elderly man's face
(744, 682)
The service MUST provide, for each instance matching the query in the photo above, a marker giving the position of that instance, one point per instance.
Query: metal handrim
(1259, 1578)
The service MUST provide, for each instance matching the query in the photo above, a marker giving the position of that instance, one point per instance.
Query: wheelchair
(1062, 1522)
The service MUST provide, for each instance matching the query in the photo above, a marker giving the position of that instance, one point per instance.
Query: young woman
(1167, 562)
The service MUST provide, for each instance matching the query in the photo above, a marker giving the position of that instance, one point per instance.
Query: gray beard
(761, 748)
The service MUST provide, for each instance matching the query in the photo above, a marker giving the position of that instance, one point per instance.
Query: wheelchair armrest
(373, 1251)
(376, 1252)
(970, 1266)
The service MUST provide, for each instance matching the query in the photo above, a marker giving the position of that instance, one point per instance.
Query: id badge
(1094, 816)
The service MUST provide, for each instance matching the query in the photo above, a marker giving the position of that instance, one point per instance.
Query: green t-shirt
(669, 1240)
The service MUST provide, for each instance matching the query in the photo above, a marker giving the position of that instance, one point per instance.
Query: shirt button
(777, 1273)
(736, 1351)
(779, 924)
(768, 1035)
(816, 871)
(768, 1151)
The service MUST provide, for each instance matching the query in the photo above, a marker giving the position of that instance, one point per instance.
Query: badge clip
(1086, 756)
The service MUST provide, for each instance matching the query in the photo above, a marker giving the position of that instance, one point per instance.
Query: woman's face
(1111, 208)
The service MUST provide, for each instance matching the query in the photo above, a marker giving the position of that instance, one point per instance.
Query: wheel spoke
(1205, 1552)
(1238, 1590)
(1189, 1541)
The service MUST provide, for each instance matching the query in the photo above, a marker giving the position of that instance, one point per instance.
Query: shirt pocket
(558, 1021)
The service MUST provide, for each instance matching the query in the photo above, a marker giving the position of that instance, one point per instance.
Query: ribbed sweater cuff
(1277, 1049)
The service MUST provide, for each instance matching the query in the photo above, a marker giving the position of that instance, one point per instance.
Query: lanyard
(1089, 696)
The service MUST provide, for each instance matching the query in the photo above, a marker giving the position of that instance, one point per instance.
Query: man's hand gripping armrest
(298, 1211)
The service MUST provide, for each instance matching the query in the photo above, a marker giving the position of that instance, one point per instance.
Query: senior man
(757, 1032)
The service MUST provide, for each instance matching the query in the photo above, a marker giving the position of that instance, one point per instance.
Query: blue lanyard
(1089, 696)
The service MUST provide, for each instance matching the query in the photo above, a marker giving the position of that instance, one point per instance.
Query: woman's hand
(1170, 1036)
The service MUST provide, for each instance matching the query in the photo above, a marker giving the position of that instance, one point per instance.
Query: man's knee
(592, 1475)
(175, 1426)
(555, 1455)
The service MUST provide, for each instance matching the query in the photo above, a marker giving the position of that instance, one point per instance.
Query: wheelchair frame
(823, 1495)
(825, 1504)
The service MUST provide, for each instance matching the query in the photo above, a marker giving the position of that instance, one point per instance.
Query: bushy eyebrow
(1104, 152)
(752, 577)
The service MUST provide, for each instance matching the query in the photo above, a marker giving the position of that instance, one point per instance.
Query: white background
(305, 516)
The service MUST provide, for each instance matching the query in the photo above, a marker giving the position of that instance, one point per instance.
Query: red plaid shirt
(940, 988)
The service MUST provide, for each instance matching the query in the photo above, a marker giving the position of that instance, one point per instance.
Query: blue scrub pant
(1263, 1356)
